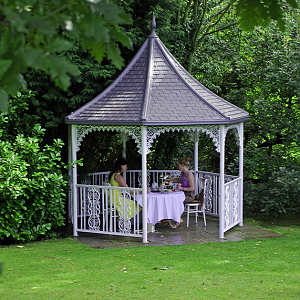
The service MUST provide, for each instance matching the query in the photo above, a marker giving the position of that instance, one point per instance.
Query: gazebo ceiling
(154, 90)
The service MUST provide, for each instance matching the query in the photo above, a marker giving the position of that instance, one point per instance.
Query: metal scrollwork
(235, 202)
(140, 176)
(124, 211)
(208, 196)
(227, 207)
(93, 208)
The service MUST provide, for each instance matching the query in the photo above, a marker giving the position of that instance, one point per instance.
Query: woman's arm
(176, 180)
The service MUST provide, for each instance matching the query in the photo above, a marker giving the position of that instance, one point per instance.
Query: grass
(66, 269)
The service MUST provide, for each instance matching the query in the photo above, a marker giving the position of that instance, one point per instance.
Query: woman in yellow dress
(126, 207)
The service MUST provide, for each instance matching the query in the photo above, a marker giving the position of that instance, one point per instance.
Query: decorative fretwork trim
(238, 134)
(152, 133)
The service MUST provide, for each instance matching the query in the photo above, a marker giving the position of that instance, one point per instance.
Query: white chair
(195, 206)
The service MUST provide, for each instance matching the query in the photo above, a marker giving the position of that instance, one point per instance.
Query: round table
(164, 205)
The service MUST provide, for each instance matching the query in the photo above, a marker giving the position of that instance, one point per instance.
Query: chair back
(199, 206)
(106, 184)
(202, 185)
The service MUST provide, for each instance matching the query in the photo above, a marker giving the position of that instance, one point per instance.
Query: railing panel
(232, 205)
(108, 210)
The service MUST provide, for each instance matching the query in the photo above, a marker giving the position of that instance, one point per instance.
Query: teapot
(154, 186)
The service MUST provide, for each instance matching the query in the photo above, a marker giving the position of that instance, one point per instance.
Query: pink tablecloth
(165, 205)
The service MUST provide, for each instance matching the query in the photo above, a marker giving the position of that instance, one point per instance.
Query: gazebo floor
(165, 235)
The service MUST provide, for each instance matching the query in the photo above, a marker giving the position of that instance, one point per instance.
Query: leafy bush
(32, 185)
(276, 196)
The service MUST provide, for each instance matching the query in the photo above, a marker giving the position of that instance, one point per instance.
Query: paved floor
(165, 235)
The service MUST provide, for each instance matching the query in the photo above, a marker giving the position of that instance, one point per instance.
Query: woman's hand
(172, 179)
(180, 188)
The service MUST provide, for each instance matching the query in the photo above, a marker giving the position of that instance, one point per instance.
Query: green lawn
(66, 269)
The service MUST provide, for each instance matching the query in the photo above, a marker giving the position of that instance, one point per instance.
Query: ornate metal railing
(98, 211)
(233, 204)
(108, 210)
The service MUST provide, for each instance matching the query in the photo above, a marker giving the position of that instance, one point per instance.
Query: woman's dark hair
(120, 162)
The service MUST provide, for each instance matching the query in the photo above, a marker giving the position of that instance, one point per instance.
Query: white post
(123, 137)
(70, 195)
(222, 182)
(241, 171)
(144, 182)
(74, 187)
(195, 157)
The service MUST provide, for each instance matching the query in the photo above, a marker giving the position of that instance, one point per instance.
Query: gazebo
(153, 95)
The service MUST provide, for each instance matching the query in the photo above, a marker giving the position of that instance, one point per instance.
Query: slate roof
(154, 90)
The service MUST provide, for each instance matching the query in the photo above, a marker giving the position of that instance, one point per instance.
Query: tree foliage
(49, 104)
(254, 13)
(201, 18)
(32, 36)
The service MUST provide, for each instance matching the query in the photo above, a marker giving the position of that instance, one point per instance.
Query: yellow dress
(126, 208)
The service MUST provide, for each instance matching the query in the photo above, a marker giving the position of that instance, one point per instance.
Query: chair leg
(204, 219)
(188, 216)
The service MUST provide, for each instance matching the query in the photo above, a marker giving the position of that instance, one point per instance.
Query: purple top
(183, 181)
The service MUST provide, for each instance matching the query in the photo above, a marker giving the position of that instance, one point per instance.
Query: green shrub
(275, 196)
(32, 185)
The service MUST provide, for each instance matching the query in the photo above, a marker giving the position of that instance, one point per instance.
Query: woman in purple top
(186, 179)
(187, 185)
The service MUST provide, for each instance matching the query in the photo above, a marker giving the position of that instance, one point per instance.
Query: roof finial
(153, 23)
(153, 26)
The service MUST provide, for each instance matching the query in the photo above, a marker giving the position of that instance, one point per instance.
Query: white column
(144, 181)
(123, 138)
(74, 188)
(222, 181)
(70, 195)
(196, 157)
(241, 171)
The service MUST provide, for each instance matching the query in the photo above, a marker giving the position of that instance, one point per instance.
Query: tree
(37, 34)
(50, 104)
(201, 18)
(265, 78)
(254, 13)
